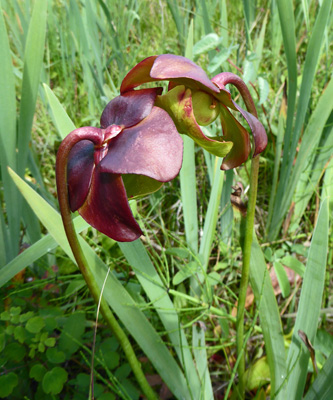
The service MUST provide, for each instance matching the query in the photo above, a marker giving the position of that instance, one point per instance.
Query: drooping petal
(258, 131)
(129, 108)
(152, 148)
(178, 103)
(225, 78)
(79, 172)
(239, 136)
(138, 75)
(106, 208)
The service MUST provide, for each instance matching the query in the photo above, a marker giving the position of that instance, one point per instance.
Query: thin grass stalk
(61, 173)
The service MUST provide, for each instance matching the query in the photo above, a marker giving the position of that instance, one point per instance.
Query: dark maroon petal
(182, 71)
(106, 208)
(79, 171)
(152, 148)
(258, 131)
(138, 75)
(234, 132)
(130, 108)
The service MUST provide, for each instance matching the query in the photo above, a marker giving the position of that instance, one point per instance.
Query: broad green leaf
(37, 372)
(269, 319)
(35, 324)
(55, 356)
(206, 43)
(73, 329)
(54, 380)
(60, 117)
(115, 294)
(7, 383)
(309, 306)
(258, 374)
(14, 352)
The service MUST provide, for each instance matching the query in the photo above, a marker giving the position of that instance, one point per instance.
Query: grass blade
(269, 319)
(152, 284)
(60, 117)
(310, 140)
(33, 61)
(200, 354)
(322, 387)
(309, 305)
(311, 61)
(33, 253)
(8, 140)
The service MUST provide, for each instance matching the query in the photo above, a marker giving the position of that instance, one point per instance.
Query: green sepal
(178, 103)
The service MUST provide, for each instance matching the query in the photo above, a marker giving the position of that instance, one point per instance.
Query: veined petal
(106, 208)
(178, 103)
(181, 70)
(79, 172)
(129, 108)
(152, 148)
(138, 75)
(239, 136)
(258, 131)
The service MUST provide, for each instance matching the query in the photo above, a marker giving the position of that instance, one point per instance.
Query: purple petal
(106, 208)
(130, 108)
(152, 148)
(258, 131)
(79, 172)
(236, 133)
(138, 75)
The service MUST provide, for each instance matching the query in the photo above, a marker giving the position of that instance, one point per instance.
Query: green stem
(248, 237)
(229, 78)
(61, 174)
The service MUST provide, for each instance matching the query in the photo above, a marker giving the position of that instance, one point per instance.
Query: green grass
(181, 281)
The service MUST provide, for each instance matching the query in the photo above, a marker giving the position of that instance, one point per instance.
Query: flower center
(109, 133)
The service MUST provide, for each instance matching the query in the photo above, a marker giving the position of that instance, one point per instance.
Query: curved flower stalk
(194, 100)
(134, 152)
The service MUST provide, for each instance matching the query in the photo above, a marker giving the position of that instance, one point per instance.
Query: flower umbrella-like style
(194, 100)
(134, 152)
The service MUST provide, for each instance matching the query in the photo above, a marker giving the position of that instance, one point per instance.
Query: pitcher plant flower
(136, 149)
(193, 100)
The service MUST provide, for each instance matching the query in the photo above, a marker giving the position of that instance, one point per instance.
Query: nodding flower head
(193, 100)
(136, 149)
